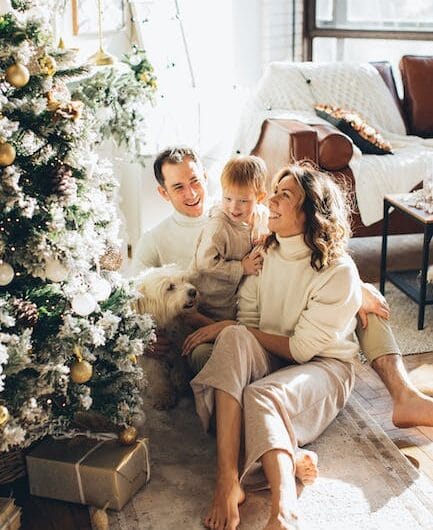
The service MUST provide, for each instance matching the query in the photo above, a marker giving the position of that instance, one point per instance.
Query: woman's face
(286, 216)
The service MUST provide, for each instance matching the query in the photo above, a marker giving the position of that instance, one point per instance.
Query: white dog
(166, 294)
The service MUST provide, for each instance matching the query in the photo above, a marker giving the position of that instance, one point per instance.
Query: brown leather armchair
(282, 142)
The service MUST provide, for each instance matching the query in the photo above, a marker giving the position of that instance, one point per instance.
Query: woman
(289, 362)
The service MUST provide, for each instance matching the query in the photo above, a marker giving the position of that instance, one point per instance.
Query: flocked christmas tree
(69, 340)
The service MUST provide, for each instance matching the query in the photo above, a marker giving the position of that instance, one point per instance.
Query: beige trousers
(284, 408)
(376, 340)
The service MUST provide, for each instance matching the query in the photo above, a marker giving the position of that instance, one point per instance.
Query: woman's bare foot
(282, 521)
(306, 470)
(224, 512)
(413, 409)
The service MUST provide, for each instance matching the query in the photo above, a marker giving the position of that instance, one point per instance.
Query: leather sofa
(283, 141)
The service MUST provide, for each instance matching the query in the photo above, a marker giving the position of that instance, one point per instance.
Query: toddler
(224, 253)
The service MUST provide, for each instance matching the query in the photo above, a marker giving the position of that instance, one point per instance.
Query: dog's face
(166, 293)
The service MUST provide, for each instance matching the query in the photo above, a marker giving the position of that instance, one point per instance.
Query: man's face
(184, 186)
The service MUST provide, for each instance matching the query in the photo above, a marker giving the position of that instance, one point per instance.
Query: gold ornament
(7, 154)
(133, 358)
(111, 260)
(81, 371)
(4, 415)
(48, 65)
(17, 75)
(128, 435)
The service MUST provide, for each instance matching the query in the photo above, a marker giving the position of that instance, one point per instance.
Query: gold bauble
(81, 371)
(128, 435)
(7, 154)
(111, 260)
(4, 415)
(17, 75)
(48, 65)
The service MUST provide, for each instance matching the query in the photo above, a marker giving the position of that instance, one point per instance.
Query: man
(181, 181)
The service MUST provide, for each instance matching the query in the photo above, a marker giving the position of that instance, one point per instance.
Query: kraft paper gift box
(88, 471)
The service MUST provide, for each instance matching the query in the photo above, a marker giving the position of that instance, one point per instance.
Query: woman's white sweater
(315, 309)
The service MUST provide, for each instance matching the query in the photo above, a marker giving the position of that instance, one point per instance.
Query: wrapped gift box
(10, 514)
(88, 471)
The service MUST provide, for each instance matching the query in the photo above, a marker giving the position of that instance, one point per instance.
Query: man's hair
(327, 211)
(172, 155)
(245, 172)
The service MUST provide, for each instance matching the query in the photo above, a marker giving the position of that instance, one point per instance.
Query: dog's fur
(166, 294)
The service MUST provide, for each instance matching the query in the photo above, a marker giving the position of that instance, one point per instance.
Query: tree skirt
(365, 482)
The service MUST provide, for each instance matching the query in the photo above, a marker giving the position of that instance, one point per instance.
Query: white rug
(365, 483)
(404, 322)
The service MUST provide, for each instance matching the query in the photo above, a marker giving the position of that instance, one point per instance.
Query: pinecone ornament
(64, 184)
(26, 312)
(111, 260)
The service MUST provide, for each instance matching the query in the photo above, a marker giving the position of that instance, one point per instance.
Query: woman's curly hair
(327, 211)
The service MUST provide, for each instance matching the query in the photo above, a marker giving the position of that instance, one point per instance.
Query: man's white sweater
(315, 309)
(172, 241)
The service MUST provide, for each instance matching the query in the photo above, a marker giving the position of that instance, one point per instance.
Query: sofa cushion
(417, 76)
(361, 133)
(335, 148)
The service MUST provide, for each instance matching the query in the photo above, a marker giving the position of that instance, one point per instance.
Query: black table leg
(424, 267)
(386, 207)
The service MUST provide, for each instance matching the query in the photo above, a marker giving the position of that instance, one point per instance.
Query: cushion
(361, 133)
(417, 76)
(335, 148)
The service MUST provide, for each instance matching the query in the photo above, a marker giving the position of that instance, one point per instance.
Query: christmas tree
(69, 340)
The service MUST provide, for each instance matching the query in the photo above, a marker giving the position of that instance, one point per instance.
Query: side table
(408, 281)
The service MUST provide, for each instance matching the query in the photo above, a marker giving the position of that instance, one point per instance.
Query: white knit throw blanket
(290, 90)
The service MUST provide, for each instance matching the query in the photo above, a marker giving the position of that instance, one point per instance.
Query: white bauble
(100, 288)
(5, 7)
(55, 271)
(83, 304)
(7, 273)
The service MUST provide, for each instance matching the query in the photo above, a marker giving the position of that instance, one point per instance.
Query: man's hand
(252, 263)
(160, 348)
(372, 302)
(205, 334)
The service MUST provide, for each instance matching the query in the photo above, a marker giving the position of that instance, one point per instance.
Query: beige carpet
(365, 482)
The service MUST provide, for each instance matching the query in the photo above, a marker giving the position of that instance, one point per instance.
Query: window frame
(311, 31)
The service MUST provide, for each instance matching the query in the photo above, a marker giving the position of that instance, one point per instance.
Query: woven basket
(12, 466)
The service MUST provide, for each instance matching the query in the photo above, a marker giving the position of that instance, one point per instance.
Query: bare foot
(224, 512)
(412, 410)
(306, 467)
(282, 521)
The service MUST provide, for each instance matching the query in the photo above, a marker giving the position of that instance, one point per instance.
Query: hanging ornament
(17, 75)
(55, 271)
(4, 415)
(7, 273)
(64, 184)
(83, 304)
(7, 154)
(111, 260)
(128, 435)
(81, 370)
(47, 65)
(26, 312)
(100, 288)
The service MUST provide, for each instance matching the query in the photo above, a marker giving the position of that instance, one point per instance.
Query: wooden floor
(415, 443)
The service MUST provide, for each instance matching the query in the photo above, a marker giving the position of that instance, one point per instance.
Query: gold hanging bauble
(4, 415)
(47, 65)
(7, 154)
(128, 435)
(81, 371)
(17, 75)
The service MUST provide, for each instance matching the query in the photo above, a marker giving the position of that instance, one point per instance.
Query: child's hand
(253, 262)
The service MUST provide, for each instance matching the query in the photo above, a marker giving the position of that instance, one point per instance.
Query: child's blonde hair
(245, 172)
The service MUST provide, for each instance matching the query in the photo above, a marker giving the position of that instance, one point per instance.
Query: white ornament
(55, 271)
(100, 288)
(5, 7)
(83, 304)
(6, 273)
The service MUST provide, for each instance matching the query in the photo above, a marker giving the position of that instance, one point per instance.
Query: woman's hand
(372, 302)
(205, 334)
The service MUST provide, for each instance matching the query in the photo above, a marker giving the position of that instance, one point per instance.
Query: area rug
(404, 322)
(365, 482)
